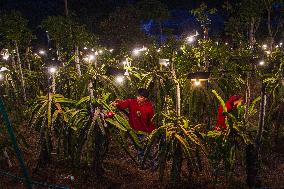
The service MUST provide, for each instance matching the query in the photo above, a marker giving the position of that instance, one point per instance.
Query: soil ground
(122, 173)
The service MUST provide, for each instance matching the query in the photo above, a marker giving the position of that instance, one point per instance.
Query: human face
(238, 102)
(141, 99)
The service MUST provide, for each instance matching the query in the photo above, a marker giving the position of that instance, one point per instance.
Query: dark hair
(143, 92)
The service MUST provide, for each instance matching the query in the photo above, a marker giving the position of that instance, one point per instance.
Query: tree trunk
(27, 58)
(66, 7)
(248, 96)
(278, 124)
(206, 33)
(178, 95)
(251, 166)
(21, 72)
(269, 27)
(253, 152)
(53, 83)
(13, 62)
(48, 39)
(58, 52)
(252, 32)
(77, 61)
(158, 99)
(98, 154)
(91, 94)
(44, 156)
(176, 166)
(261, 117)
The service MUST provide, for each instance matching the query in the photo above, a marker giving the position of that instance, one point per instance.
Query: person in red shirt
(233, 101)
(140, 109)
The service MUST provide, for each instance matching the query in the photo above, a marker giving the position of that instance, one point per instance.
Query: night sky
(37, 10)
(93, 12)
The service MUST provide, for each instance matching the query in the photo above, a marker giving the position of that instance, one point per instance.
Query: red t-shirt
(139, 115)
(221, 124)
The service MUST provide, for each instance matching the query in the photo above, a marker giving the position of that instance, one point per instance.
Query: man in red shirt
(140, 116)
(234, 101)
(141, 111)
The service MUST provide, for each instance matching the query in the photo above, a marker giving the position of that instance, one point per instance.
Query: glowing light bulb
(91, 57)
(197, 82)
(261, 63)
(264, 46)
(164, 62)
(119, 79)
(42, 52)
(136, 52)
(190, 39)
(6, 56)
(52, 70)
(4, 69)
(1, 77)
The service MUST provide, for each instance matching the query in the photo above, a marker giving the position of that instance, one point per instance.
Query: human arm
(121, 104)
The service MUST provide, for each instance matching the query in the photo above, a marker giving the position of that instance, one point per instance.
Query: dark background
(92, 12)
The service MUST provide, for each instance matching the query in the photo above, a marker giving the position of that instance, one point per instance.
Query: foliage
(73, 122)
(202, 15)
(225, 144)
(66, 33)
(243, 15)
(153, 9)
(178, 140)
(122, 29)
(14, 27)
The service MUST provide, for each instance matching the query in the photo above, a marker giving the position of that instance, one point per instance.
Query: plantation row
(64, 90)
